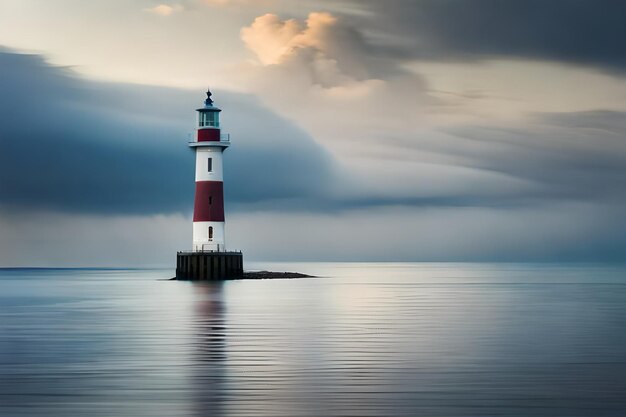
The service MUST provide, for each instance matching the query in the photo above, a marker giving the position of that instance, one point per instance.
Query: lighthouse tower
(209, 259)
(208, 210)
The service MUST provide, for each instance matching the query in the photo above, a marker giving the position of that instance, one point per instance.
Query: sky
(362, 130)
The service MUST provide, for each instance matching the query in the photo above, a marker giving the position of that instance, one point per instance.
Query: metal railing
(191, 138)
(208, 251)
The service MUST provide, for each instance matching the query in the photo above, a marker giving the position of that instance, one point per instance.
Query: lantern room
(209, 115)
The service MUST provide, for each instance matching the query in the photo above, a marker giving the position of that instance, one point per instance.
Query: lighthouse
(208, 208)
(208, 258)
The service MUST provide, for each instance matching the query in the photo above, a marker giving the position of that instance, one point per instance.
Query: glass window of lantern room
(209, 119)
(214, 119)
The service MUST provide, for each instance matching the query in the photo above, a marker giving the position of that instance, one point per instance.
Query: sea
(360, 339)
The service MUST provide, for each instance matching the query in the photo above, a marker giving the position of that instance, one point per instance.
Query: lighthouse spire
(208, 101)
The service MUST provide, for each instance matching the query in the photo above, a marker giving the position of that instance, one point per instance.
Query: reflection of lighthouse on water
(208, 367)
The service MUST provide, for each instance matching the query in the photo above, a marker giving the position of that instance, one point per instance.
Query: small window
(210, 232)
(210, 199)
(210, 164)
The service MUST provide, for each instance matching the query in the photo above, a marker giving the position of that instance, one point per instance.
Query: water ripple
(366, 340)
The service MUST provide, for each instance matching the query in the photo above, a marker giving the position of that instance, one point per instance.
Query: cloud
(576, 155)
(559, 231)
(319, 72)
(76, 155)
(106, 145)
(221, 3)
(333, 53)
(87, 240)
(69, 144)
(274, 40)
(582, 32)
(402, 144)
(165, 9)
(270, 38)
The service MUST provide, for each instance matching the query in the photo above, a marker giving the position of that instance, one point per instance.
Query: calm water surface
(364, 340)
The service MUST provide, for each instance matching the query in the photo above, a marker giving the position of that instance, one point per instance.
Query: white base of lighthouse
(209, 236)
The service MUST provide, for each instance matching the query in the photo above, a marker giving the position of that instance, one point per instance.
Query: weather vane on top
(208, 100)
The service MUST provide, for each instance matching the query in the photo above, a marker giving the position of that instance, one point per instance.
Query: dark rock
(273, 275)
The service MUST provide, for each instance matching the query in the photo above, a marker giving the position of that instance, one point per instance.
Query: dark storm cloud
(587, 32)
(549, 158)
(602, 121)
(76, 145)
(570, 156)
(80, 146)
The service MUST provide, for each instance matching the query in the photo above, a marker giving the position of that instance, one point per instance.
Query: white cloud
(223, 3)
(270, 38)
(274, 40)
(329, 51)
(165, 9)
(322, 73)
